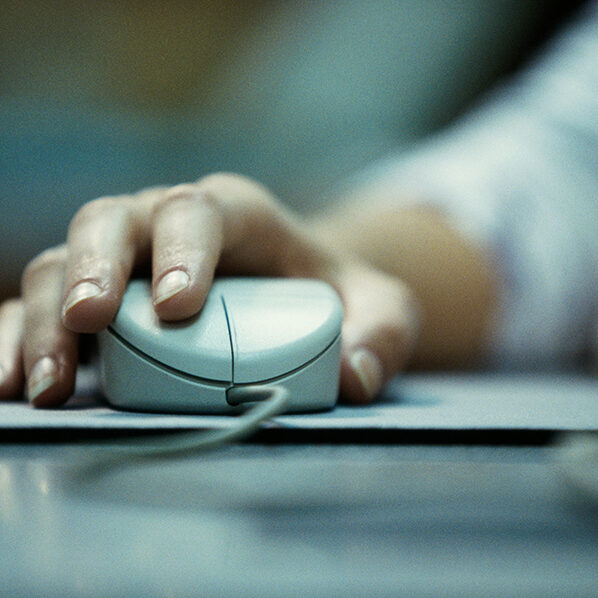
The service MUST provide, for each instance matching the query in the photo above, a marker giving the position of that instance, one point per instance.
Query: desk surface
(78, 518)
(293, 520)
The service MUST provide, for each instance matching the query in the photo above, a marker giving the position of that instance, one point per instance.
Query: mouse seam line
(232, 342)
(291, 372)
(165, 366)
(228, 384)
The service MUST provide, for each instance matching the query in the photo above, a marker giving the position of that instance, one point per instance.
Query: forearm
(455, 282)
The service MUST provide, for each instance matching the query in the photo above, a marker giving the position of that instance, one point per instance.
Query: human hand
(224, 223)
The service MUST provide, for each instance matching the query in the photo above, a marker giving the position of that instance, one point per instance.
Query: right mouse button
(279, 325)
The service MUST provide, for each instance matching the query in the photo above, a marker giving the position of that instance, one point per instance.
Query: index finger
(106, 238)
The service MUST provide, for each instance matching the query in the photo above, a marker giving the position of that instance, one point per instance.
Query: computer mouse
(250, 331)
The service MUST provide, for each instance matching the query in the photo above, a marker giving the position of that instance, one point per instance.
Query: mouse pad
(410, 402)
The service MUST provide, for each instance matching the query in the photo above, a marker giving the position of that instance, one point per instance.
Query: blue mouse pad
(410, 402)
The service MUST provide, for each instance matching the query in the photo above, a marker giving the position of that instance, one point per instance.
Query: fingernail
(171, 284)
(43, 375)
(369, 371)
(84, 290)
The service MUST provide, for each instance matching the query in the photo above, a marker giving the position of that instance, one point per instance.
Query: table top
(282, 519)
(449, 486)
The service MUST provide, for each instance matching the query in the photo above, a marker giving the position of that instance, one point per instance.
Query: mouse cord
(270, 401)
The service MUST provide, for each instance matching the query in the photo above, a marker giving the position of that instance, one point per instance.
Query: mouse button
(199, 346)
(277, 328)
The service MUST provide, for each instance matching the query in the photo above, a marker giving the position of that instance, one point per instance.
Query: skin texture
(454, 283)
(229, 224)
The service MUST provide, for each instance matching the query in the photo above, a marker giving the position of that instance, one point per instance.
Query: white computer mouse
(251, 331)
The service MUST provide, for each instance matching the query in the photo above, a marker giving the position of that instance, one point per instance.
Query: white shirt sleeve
(519, 176)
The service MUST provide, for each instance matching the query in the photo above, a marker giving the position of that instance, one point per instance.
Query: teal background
(317, 91)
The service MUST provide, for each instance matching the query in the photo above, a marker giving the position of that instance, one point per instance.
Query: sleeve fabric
(519, 177)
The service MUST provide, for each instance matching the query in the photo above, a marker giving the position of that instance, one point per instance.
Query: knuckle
(218, 179)
(184, 194)
(48, 259)
(237, 187)
(91, 210)
(94, 207)
(11, 308)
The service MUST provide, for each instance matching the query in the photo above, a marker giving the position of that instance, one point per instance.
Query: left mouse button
(199, 346)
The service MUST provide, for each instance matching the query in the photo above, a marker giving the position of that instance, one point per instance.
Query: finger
(187, 240)
(49, 349)
(106, 237)
(186, 229)
(224, 221)
(11, 359)
(258, 235)
(379, 331)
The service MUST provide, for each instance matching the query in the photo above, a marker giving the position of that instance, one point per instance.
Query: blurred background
(105, 97)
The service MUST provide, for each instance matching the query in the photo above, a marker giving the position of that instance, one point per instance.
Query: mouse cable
(270, 401)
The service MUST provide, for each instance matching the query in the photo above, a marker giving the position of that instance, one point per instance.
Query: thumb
(379, 331)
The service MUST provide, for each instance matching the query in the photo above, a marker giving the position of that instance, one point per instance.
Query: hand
(223, 222)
